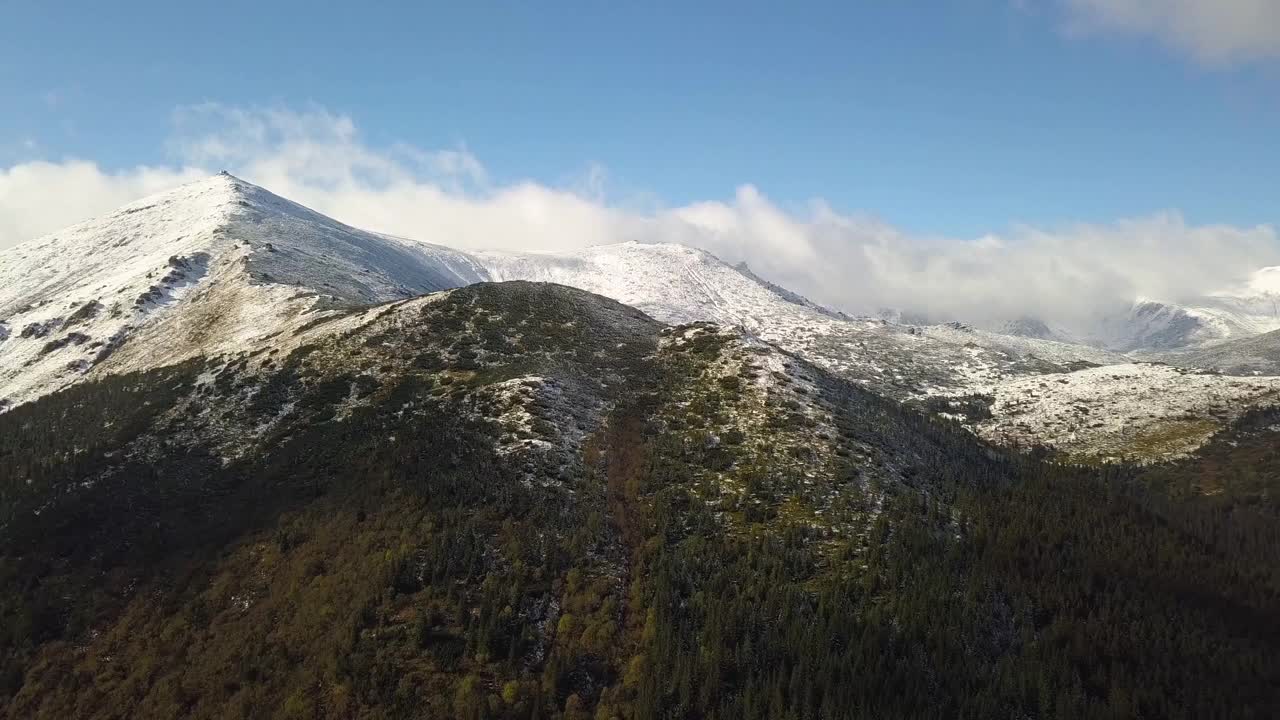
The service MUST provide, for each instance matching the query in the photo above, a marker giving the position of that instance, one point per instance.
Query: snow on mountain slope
(1151, 326)
(1031, 327)
(1229, 317)
(673, 283)
(205, 268)
(789, 296)
(1250, 310)
(1136, 411)
(1055, 351)
(677, 284)
(1148, 326)
(1251, 355)
(1085, 401)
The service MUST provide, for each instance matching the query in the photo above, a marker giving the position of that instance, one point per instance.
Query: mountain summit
(205, 268)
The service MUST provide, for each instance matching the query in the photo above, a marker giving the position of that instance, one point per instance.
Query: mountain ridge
(248, 263)
(220, 267)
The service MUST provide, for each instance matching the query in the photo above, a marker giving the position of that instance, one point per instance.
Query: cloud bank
(853, 262)
(1212, 31)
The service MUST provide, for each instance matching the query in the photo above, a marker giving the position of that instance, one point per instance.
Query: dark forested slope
(525, 501)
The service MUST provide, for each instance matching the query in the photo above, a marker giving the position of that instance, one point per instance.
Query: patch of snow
(1137, 410)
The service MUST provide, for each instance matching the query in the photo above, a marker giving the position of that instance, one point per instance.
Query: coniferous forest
(389, 559)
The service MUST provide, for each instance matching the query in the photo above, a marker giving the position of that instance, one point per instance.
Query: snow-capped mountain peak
(205, 267)
(674, 283)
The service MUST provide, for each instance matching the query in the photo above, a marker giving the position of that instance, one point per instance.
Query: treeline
(1059, 593)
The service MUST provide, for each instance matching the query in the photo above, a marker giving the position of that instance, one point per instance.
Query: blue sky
(970, 159)
(958, 120)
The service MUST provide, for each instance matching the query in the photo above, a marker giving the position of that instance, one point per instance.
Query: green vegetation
(1170, 437)
(725, 543)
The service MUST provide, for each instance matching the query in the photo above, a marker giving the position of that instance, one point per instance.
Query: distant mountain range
(1150, 326)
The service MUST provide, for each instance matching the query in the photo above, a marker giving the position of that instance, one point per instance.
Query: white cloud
(322, 147)
(1212, 31)
(40, 197)
(850, 261)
